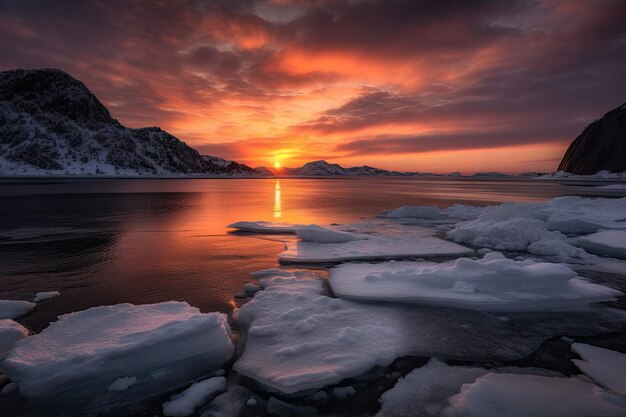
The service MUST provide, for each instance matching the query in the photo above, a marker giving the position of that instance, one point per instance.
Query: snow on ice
(11, 309)
(512, 395)
(298, 339)
(185, 403)
(372, 248)
(319, 234)
(10, 333)
(88, 350)
(41, 296)
(425, 390)
(265, 227)
(606, 243)
(606, 367)
(493, 283)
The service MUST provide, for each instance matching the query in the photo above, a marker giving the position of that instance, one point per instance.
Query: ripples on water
(143, 241)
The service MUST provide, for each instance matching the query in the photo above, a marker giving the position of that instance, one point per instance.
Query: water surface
(110, 241)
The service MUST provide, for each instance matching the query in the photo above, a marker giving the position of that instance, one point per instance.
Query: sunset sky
(433, 86)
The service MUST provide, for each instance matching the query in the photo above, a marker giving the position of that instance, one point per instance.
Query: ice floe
(185, 403)
(606, 243)
(299, 339)
(493, 283)
(47, 295)
(372, 248)
(319, 234)
(11, 309)
(265, 227)
(606, 367)
(10, 333)
(425, 390)
(122, 384)
(511, 395)
(456, 211)
(88, 350)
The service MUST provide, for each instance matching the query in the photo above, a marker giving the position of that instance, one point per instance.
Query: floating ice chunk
(607, 243)
(298, 339)
(122, 384)
(11, 309)
(10, 332)
(315, 233)
(265, 227)
(515, 234)
(497, 395)
(577, 215)
(424, 391)
(374, 248)
(493, 283)
(606, 367)
(91, 348)
(556, 248)
(41, 296)
(185, 403)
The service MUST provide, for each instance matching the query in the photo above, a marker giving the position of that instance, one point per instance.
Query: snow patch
(41, 296)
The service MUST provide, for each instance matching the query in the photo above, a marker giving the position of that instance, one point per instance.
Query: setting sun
(277, 165)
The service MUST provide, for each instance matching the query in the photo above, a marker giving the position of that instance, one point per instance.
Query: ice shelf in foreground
(10, 333)
(373, 248)
(297, 338)
(265, 227)
(511, 395)
(185, 403)
(11, 309)
(606, 367)
(88, 350)
(493, 283)
(606, 243)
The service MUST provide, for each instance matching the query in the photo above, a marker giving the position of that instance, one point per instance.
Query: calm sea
(143, 241)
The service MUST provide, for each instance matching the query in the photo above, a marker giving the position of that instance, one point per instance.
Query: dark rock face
(50, 123)
(601, 146)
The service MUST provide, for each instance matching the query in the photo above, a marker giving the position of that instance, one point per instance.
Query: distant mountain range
(325, 169)
(51, 124)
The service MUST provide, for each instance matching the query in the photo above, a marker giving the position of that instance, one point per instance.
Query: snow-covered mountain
(324, 169)
(51, 124)
(600, 147)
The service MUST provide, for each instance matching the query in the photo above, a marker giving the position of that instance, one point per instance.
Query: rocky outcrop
(51, 124)
(600, 147)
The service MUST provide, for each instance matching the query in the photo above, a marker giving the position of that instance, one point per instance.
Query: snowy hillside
(51, 124)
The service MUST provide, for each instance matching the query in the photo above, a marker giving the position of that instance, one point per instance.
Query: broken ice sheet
(265, 227)
(372, 248)
(299, 339)
(493, 283)
(80, 355)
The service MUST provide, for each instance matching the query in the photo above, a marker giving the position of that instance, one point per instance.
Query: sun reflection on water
(278, 211)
